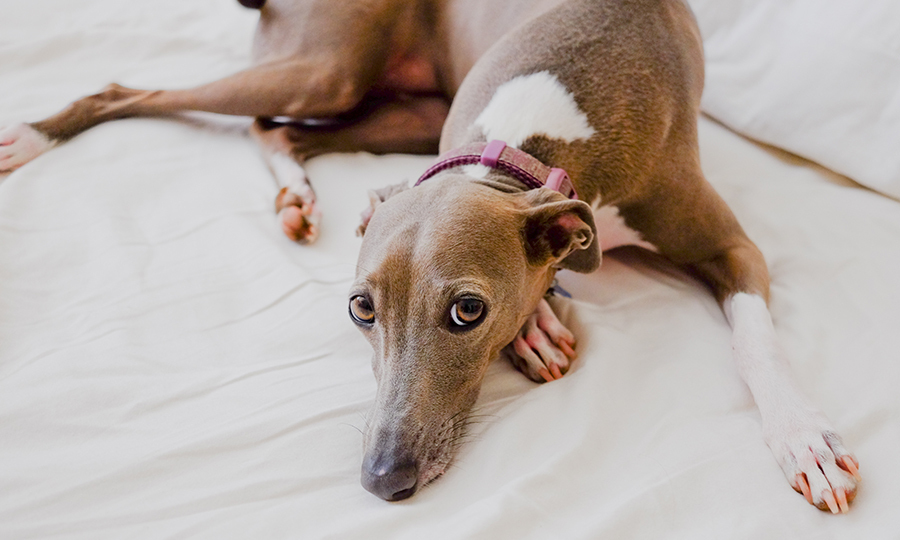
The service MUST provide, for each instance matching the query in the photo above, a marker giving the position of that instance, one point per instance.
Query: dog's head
(447, 274)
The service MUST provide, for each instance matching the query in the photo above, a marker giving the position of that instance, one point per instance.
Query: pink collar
(520, 165)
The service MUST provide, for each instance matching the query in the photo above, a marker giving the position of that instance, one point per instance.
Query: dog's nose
(389, 478)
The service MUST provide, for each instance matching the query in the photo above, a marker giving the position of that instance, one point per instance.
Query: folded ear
(561, 232)
(376, 197)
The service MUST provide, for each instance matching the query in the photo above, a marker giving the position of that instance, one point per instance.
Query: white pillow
(819, 78)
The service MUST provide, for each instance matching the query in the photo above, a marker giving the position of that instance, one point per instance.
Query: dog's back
(637, 91)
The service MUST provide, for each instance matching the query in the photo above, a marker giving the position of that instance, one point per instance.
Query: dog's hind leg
(299, 88)
(323, 79)
(406, 124)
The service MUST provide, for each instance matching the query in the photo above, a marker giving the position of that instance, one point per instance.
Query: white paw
(299, 215)
(815, 462)
(19, 144)
(543, 348)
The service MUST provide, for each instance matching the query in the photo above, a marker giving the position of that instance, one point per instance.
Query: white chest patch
(612, 231)
(535, 104)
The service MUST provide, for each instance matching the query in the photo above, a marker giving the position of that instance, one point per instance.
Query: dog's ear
(560, 232)
(376, 197)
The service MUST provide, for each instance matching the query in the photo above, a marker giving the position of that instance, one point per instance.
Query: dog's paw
(816, 463)
(299, 215)
(20, 144)
(544, 348)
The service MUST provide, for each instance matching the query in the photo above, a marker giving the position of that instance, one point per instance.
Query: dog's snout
(252, 4)
(389, 478)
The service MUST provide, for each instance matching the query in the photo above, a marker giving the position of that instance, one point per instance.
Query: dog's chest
(613, 232)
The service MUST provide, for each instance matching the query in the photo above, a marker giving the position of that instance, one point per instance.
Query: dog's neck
(505, 168)
(500, 181)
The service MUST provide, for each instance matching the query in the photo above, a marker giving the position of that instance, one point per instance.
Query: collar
(497, 155)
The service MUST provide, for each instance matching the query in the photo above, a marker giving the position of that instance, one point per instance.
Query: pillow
(819, 78)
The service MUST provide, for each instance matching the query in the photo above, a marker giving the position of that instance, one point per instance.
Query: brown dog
(452, 271)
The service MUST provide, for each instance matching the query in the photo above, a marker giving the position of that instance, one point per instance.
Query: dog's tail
(253, 4)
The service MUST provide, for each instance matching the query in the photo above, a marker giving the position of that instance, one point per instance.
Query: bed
(171, 366)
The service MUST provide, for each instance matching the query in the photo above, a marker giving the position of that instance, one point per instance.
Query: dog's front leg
(805, 445)
(544, 348)
(713, 246)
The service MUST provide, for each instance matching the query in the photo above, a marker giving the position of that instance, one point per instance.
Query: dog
(565, 127)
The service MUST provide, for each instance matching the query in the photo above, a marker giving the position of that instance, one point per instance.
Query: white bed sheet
(172, 367)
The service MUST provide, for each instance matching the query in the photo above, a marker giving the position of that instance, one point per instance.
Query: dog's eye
(361, 310)
(466, 312)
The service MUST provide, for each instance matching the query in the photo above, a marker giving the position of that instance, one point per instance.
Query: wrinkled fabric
(820, 78)
(172, 367)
